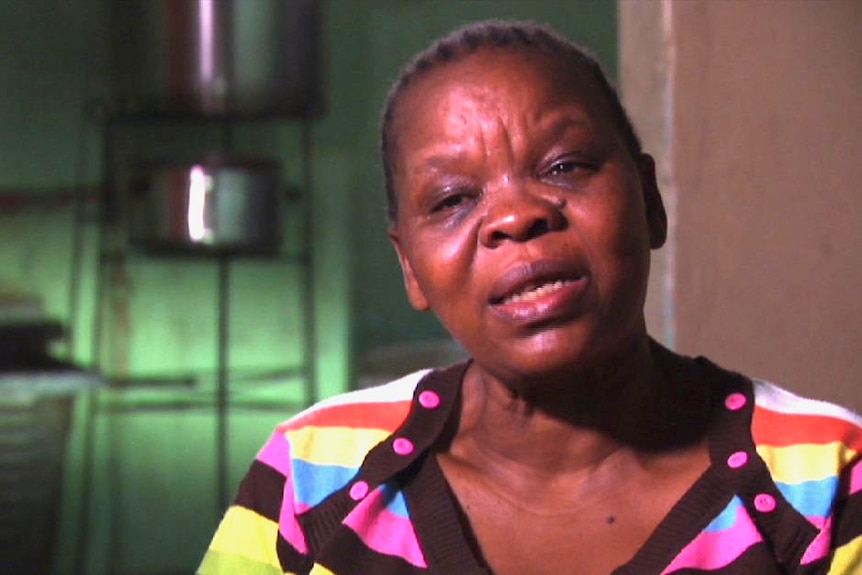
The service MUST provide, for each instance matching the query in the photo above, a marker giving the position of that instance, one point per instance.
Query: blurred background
(193, 247)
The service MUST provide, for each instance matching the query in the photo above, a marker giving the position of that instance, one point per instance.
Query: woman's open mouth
(539, 291)
(532, 293)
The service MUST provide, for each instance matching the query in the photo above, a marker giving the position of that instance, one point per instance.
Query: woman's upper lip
(533, 274)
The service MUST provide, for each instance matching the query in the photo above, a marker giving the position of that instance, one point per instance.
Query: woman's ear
(655, 212)
(415, 295)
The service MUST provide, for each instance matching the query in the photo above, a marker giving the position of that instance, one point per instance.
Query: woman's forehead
(496, 87)
(508, 67)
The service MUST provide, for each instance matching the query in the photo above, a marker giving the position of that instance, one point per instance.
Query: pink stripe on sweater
(715, 549)
(384, 531)
(856, 478)
(821, 545)
(276, 454)
(288, 524)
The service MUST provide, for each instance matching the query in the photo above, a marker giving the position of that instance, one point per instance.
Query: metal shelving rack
(285, 31)
(115, 254)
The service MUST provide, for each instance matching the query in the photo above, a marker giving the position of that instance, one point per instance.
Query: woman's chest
(563, 527)
(592, 540)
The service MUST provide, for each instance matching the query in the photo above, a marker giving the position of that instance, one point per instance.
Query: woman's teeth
(536, 292)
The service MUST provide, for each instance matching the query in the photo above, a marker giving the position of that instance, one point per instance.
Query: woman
(523, 212)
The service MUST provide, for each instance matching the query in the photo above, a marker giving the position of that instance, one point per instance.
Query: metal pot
(209, 58)
(218, 206)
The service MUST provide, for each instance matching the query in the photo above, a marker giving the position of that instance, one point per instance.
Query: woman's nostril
(498, 236)
(520, 231)
(528, 218)
(539, 228)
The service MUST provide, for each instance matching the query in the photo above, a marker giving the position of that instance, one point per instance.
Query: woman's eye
(563, 167)
(451, 200)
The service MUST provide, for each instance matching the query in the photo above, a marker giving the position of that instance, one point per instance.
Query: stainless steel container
(216, 58)
(217, 206)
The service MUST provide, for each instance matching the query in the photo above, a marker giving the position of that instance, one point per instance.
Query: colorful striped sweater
(348, 487)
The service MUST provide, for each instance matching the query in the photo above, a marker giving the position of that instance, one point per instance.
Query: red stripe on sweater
(784, 429)
(383, 415)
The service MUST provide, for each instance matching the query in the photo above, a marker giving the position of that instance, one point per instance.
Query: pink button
(735, 401)
(764, 502)
(429, 399)
(737, 460)
(402, 446)
(358, 490)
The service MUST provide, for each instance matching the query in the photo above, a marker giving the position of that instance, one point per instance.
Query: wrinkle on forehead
(459, 110)
(493, 139)
(471, 120)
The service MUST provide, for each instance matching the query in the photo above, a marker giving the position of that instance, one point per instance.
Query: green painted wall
(151, 505)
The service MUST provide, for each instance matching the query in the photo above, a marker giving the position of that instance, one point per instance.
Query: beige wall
(754, 110)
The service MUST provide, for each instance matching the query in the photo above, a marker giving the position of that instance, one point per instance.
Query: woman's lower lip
(564, 300)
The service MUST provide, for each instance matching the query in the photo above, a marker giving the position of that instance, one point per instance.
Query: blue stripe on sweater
(314, 483)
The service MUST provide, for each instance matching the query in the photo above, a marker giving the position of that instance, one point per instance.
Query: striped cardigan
(348, 487)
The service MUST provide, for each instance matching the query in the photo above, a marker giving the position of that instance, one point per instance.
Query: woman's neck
(650, 402)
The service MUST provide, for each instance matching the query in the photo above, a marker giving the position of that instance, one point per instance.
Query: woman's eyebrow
(566, 124)
(436, 161)
(439, 161)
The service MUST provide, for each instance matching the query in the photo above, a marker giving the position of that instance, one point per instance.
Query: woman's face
(522, 218)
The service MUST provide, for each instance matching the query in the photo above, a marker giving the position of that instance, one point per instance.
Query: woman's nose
(519, 215)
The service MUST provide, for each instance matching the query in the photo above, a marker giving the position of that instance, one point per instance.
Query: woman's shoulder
(788, 427)
(382, 407)
(323, 445)
(779, 416)
(804, 418)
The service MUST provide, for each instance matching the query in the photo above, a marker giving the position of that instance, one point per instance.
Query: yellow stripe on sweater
(805, 462)
(246, 534)
(848, 559)
(223, 564)
(333, 445)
